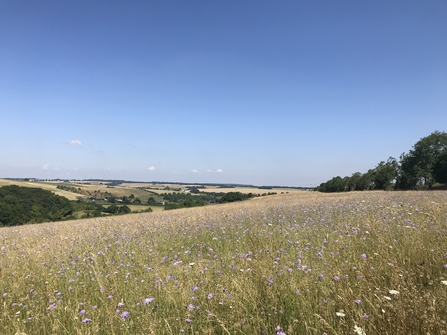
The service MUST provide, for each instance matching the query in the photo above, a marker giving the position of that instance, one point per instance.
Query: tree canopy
(422, 167)
(20, 205)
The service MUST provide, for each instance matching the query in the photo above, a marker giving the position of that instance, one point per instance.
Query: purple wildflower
(358, 301)
(124, 315)
(364, 256)
(188, 320)
(86, 320)
(82, 311)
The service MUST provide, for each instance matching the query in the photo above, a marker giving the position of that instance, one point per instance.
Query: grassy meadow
(298, 263)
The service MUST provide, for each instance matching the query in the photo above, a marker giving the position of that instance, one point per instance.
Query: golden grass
(297, 263)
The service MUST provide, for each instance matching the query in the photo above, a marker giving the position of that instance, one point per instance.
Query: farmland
(297, 263)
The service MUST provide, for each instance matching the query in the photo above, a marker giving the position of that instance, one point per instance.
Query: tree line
(423, 167)
(23, 205)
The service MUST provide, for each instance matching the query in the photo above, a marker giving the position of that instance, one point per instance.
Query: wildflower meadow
(302, 263)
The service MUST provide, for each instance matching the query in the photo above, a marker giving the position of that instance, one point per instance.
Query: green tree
(417, 166)
(385, 174)
(440, 169)
(353, 181)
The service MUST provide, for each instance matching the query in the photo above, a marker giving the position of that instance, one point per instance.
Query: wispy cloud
(209, 170)
(194, 171)
(75, 143)
(219, 171)
(48, 167)
(151, 168)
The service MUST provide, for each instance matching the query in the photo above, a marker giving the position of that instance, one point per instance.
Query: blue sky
(259, 92)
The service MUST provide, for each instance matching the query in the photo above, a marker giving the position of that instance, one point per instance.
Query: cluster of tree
(131, 199)
(236, 196)
(151, 201)
(424, 166)
(167, 188)
(114, 209)
(208, 197)
(22, 205)
(19, 205)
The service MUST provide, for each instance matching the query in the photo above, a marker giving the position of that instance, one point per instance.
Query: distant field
(139, 208)
(297, 263)
(126, 189)
(44, 185)
(118, 191)
(254, 190)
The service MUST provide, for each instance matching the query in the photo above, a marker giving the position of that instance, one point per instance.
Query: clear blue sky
(254, 92)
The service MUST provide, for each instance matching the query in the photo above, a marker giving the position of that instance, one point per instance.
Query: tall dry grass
(304, 263)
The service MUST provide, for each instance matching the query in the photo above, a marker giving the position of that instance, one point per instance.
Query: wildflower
(340, 314)
(194, 288)
(124, 315)
(321, 276)
(5, 295)
(364, 256)
(190, 307)
(86, 320)
(394, 292)
(279, 331)
(120, 304)
(210, 296)
(336, 278)
(357, 301)
(188, 320)
(82, 311)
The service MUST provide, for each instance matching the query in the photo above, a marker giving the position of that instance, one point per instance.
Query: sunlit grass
(296, 264)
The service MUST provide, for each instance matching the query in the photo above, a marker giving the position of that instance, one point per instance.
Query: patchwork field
(297, 263)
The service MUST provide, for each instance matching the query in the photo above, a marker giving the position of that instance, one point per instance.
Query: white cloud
(49, 167)
(219, 170)
(152, 168)
(209, 170)
(75, 143)
(194, 171)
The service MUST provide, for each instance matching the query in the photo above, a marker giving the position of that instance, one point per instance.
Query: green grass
(306, 262)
